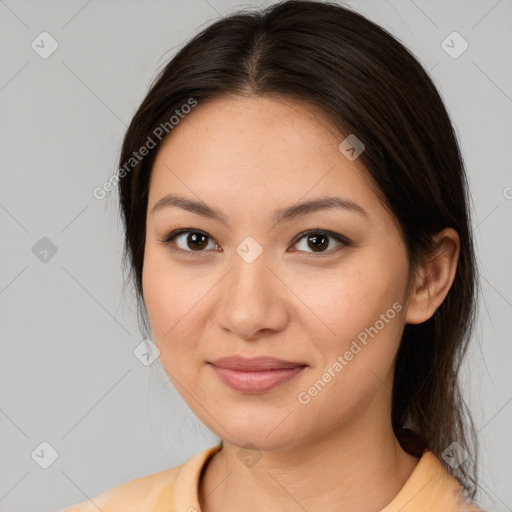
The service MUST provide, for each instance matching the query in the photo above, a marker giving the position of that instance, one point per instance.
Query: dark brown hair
(367, 83)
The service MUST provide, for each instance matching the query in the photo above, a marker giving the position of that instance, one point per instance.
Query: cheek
(363, 310)
(347, 300)
(159, 294)
(169, 306)
(362, 305)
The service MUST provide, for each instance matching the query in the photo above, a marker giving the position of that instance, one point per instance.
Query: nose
(252, 300)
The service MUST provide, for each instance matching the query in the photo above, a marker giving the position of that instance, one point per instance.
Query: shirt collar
(430, 487)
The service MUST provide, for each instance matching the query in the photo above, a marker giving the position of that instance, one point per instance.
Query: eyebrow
(280, 216)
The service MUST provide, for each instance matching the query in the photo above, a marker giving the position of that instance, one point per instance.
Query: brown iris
(197, 241)
(318, 242)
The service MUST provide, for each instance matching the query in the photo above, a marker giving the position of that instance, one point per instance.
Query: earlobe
(435, 278)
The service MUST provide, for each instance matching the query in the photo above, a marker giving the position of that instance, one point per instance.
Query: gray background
(68, 375)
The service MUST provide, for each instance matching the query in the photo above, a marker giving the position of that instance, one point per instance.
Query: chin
(260, 442)
(265, 434)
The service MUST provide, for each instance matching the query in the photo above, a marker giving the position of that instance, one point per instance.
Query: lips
(254, 364)
(255, 375)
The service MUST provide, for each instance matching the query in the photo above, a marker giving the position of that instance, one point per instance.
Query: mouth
(255, 375)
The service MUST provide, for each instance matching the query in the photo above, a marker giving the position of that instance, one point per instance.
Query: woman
(297, 226)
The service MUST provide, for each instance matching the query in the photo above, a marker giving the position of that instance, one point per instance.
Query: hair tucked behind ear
(370, 85)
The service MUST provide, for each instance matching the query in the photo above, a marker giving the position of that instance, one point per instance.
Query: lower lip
(255, 382)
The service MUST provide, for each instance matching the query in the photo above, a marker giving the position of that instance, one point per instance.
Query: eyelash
(339, 238)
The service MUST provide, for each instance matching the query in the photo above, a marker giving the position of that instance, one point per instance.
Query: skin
(248, 156)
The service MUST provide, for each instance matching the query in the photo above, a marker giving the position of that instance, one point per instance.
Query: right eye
(188, 240)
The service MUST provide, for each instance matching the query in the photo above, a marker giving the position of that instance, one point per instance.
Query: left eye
(317, 240)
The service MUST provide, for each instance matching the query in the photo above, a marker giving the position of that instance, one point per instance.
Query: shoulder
(138, 492)
(431, 487)
(444, 488)
(158, 492)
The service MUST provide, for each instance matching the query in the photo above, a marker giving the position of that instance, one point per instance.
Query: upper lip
(254, 363)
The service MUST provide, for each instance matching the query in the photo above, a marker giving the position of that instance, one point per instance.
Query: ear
(435, 279)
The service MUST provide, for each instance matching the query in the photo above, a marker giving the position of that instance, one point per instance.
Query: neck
(358, 465)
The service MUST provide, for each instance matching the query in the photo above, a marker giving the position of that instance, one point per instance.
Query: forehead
(245, 149)
(267, 123)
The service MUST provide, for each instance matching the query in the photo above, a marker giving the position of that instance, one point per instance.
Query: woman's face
(265, 289)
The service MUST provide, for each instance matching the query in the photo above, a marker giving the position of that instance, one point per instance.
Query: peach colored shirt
(430, 488)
